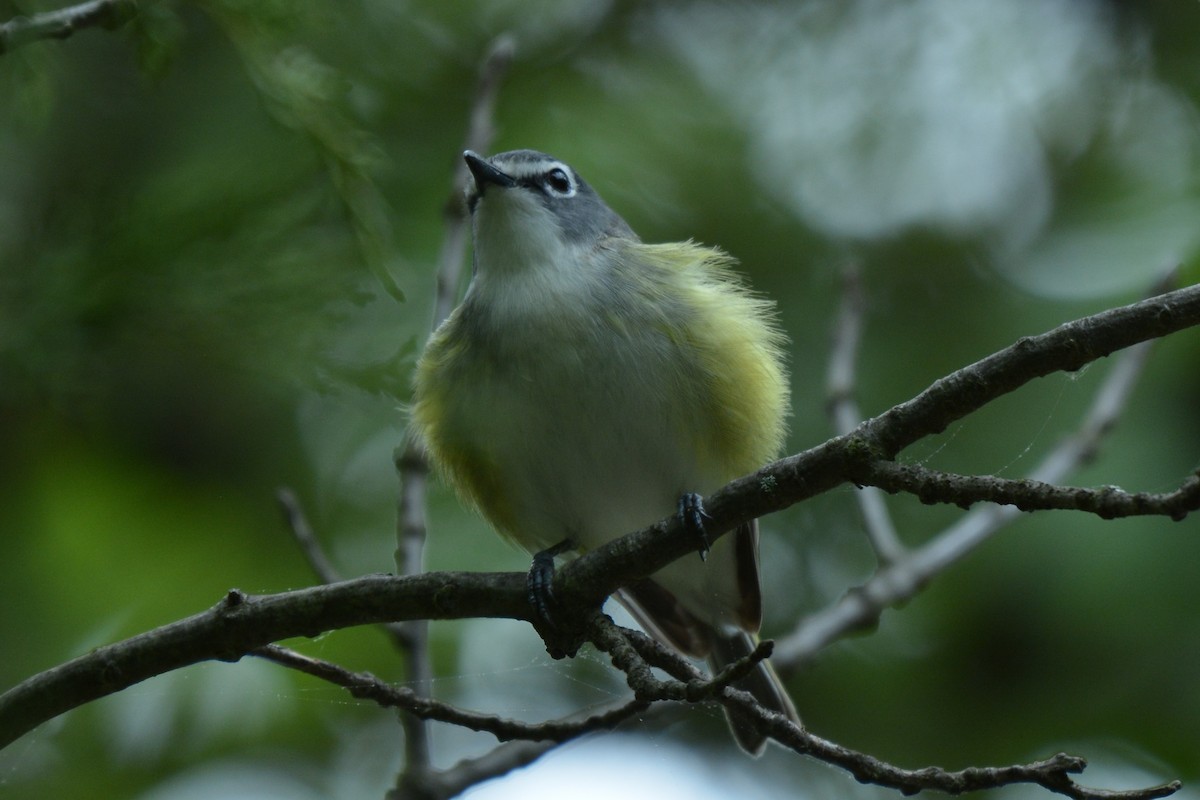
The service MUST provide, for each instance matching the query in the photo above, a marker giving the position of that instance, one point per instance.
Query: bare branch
(471, 771)
(480, 131)
(525, 742)
(322, 566)
(1067, 348)
(412, 637)
(64, 22)
(241, 623)
(1110, 401)
(1107, 502)
(632, 652)
(654, 653)
(411, 465)
(840, 388)
(366, 686)
(303, 534)
(1052, 773)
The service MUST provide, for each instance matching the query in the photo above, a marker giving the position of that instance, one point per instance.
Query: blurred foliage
(218, 227)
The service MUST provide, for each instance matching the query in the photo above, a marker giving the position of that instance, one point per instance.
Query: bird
(590, 384)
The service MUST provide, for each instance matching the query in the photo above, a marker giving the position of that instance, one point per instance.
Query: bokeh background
(218, 232)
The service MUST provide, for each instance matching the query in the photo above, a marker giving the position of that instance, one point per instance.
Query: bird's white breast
(591, 425)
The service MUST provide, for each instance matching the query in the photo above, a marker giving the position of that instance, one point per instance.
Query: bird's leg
(692, 515)
(539, 583)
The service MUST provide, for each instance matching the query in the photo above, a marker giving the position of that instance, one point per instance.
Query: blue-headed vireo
(589, 381)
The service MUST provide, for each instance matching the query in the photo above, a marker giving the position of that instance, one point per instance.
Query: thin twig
(411, 465)
(303, 534)
(493, 764)
(1108, 502)
(1067, 348)
(413, 638)
(1053, 773)
(318, 559)
(64, 22)
(841, 384)
(366, 686)
(480, 132)
(633, 653)
(656, 654)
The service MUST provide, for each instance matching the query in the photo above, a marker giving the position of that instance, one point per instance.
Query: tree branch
(318, 560)
(480, 131)
(1051, 773)
(492, 764)
(1067, 348)
(412, 467)
(64, 22)
(633, 653)
(366, 686)
(1108, 502)
(302, 534)
(840, 382)
(241, 623)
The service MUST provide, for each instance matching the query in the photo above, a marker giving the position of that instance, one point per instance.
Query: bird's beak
(485, 173)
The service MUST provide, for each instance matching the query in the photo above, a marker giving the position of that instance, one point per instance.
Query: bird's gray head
(530, 207)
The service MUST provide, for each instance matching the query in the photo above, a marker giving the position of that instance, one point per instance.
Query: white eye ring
(557, 182)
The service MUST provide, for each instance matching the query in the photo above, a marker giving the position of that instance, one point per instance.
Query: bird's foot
(692, 515)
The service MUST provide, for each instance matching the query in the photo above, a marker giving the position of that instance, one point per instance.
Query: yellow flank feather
(442, 375)
(733, 333)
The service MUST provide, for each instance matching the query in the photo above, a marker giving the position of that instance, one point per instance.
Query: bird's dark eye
(558, 182)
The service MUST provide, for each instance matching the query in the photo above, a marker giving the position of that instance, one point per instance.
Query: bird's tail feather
(762, 682)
